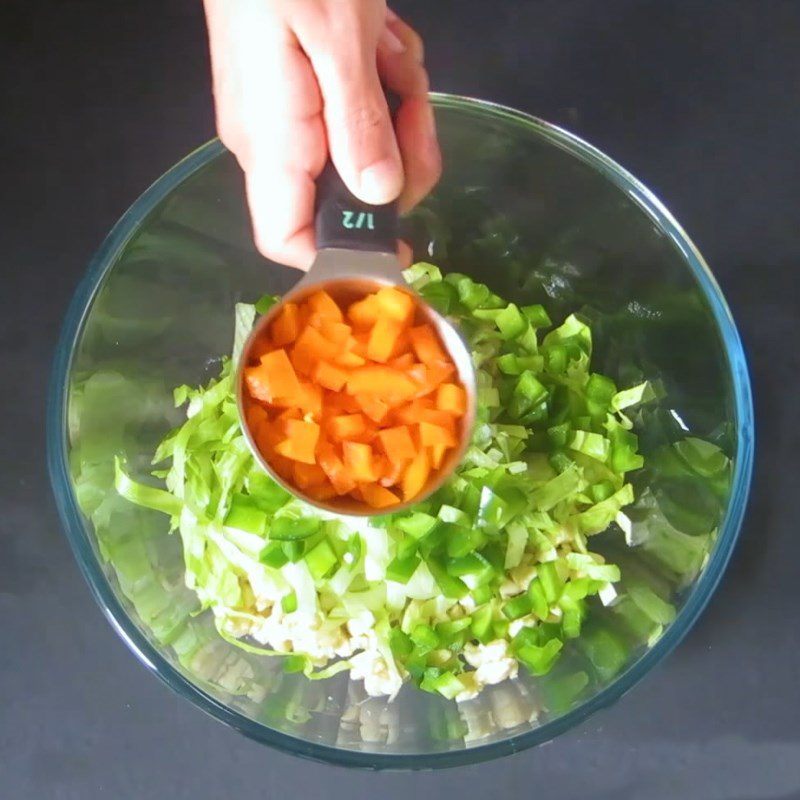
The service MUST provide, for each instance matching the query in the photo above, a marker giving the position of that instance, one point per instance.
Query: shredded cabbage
(499, 554)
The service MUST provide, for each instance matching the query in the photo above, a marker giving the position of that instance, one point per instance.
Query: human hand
(297, 80)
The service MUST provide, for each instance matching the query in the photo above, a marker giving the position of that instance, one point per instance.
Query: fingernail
(392, 41)
(379, 182)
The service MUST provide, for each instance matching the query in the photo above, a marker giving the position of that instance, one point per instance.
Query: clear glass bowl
(540, 216)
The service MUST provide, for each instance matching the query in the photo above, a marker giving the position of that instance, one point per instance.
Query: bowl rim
(149, 655)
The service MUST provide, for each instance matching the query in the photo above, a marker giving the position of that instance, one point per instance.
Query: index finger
(284, 152)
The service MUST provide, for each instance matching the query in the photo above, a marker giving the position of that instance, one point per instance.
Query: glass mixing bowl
(541, 217)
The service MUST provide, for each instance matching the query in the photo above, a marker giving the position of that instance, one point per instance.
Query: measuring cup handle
(342, 220)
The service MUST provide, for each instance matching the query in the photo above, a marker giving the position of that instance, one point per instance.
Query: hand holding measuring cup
(299, 81)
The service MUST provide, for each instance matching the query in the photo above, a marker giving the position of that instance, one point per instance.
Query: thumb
(361, 137)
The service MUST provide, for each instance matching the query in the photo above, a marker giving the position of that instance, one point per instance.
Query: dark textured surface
(698, 99)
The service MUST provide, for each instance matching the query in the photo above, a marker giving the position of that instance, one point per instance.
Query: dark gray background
(698, 99)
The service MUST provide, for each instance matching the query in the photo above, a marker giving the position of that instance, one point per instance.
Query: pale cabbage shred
(333, 627)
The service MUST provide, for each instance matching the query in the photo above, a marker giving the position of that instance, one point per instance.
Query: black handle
(342, 220)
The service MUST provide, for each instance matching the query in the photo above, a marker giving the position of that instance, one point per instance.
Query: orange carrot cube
(293, 412)
(395, 303)
(416, 475)
(377, 496)
(392, 473)
(322, 492)
(267, 437)
(273, 377)
(431, 435)
(307, 475)
(283, 466)
(401, 362)
(257, 418)
(383, 339)
(334, 468)
(359, 460)
(261, 347)
(309, 399)
(311, 344)
(434, 373)
(397, 443)
(347, 427)
(329, 376)
(426, 344)
(322, 304)
(286, 325)
(437, 455)
(409, 413)
(372, 406)
(336, 332)
(300, 442)
(380, 381)
(437, 417)
(364, 313)
(349, 360)
(451, 398)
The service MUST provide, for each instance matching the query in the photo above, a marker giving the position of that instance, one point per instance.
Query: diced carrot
(425, 343)
(372, 406)
(336, 332)
(309, 399)
(302, 362)
(380, 464)
(431, 435)
(359, 460)
(256, 384)
(257, 417)
(437, 455)
(334, 468)
(435, 372)
(300, 442)
(307, 475)
(341, 403)
(437, 417)
(364, 313)
(409, 414)
(452, 399)
(349, 360)
(383, 339)
(395, 303)
(397, 443)
(401, 362)
(378, 496)
(260, 348)
(393, 473)
(325, 306)
(416, 475)
(380, 381)
(273, 377)
(367, 435)
(283, 466)
(324, 491)
(359, 342)
(402, 345)
(312, 345)
(375, 405)
(347, 427)
(267, 437)
(293, 412)
(329, 376)
(419, 374)
(286, 325)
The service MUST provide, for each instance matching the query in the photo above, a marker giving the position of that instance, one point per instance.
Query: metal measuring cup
(356, 255)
